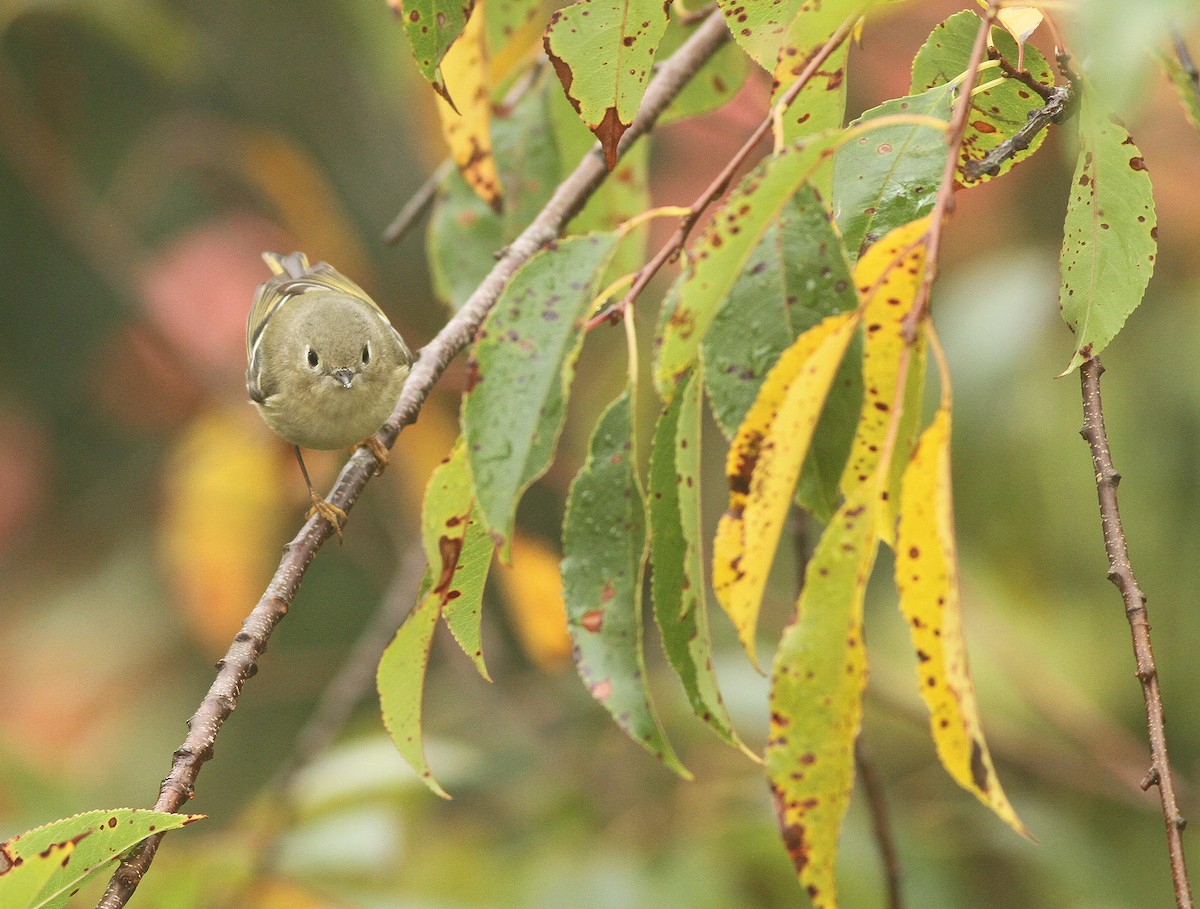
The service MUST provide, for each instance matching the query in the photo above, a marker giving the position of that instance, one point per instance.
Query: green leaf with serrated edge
(520, 373)
(459, 551)
(602, 51)
(400, 679)
(678, 584)
(717, 82)
(604, 555)
(101, 837)
(997, 113)
(432, 26)
(464, 232)
(796, 277)
(21, 883)
(817, 682)
(1110, 241)
(1185, 88)
(760, 28)
(722, 251)
(890, 176)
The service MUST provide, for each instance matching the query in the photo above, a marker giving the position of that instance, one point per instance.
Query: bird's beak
(344, 375)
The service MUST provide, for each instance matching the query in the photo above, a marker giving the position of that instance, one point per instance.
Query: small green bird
(324, 364)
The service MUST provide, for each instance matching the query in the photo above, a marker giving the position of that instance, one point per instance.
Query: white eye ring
(313, 360)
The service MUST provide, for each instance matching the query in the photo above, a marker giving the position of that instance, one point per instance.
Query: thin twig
(241, 661)
(881, 823)
(671, 249)
(420, 201)
(1120, 572)
(943, 206)
(1054, 111)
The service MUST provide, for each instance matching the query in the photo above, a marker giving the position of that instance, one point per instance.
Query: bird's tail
(294, 265)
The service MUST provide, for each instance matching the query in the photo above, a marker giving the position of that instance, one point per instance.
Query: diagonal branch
(1120, 572)
(241, 661)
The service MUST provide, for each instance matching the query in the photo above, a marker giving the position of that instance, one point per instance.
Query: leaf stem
(1120, 572)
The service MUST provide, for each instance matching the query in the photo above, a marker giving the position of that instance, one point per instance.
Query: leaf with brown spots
(889, 175)
(21, 882)
(721, 253)
(525, 360)
(764, 464)
(466, 124)
(602, 51)
(796, 277)
(1111, 233)
(927, 578)
(400, 679)
(817, 683)
(678, 583)
(999, 112)
(99, 839)
(604, 555)
(458, 550)
(888, 277)
(432, 27)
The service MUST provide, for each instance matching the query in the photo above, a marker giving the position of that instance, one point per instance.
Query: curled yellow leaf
(927, 578)
(764, 465)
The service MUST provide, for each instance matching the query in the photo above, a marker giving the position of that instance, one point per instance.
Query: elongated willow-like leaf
(100, 838)
(432, 26)
(678, 582)
(764, 464)
(466, 124)
(1111, 233)
(1185, 88)
(400, 679)
(797, 276)
(459, 551)
(927, 578)
(602, 51)
(21, 883)
(721, 253)
(889, 176)
(521, 370)
(996, 114)
(888, 277)
(604, 555)
(817, 682)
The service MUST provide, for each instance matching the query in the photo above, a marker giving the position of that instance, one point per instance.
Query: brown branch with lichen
(1120, 572)
(241, 661)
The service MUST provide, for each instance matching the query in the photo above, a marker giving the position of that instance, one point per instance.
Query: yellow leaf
(223, 518)
(533, 593)
(1020, 22)
(927, 578)
(817, 683)
(468, 129)
(888, 277)
(764, 465)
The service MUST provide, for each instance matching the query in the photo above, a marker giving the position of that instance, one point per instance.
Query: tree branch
(1120, 572)
(881, 824)
(1054, 110)
(241, 661)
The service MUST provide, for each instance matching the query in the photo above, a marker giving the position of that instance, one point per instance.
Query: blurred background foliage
(150, 150)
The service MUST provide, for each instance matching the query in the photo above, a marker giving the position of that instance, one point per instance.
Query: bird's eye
(313, 359)
(366, 355)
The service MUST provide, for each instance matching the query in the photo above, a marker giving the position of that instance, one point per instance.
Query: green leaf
(796, 277)
(602, 51)
(717, 82)
(459, 551)
(505, 19)
(99, 837)
(604, 554)
(464, 231)
(817, 682)
(678, 584)
(400, 680)
(520, 373)
(432, 26)
(889, 176)
(1185, 87)
(997, 113)
(1110, 240)
(722, 252)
